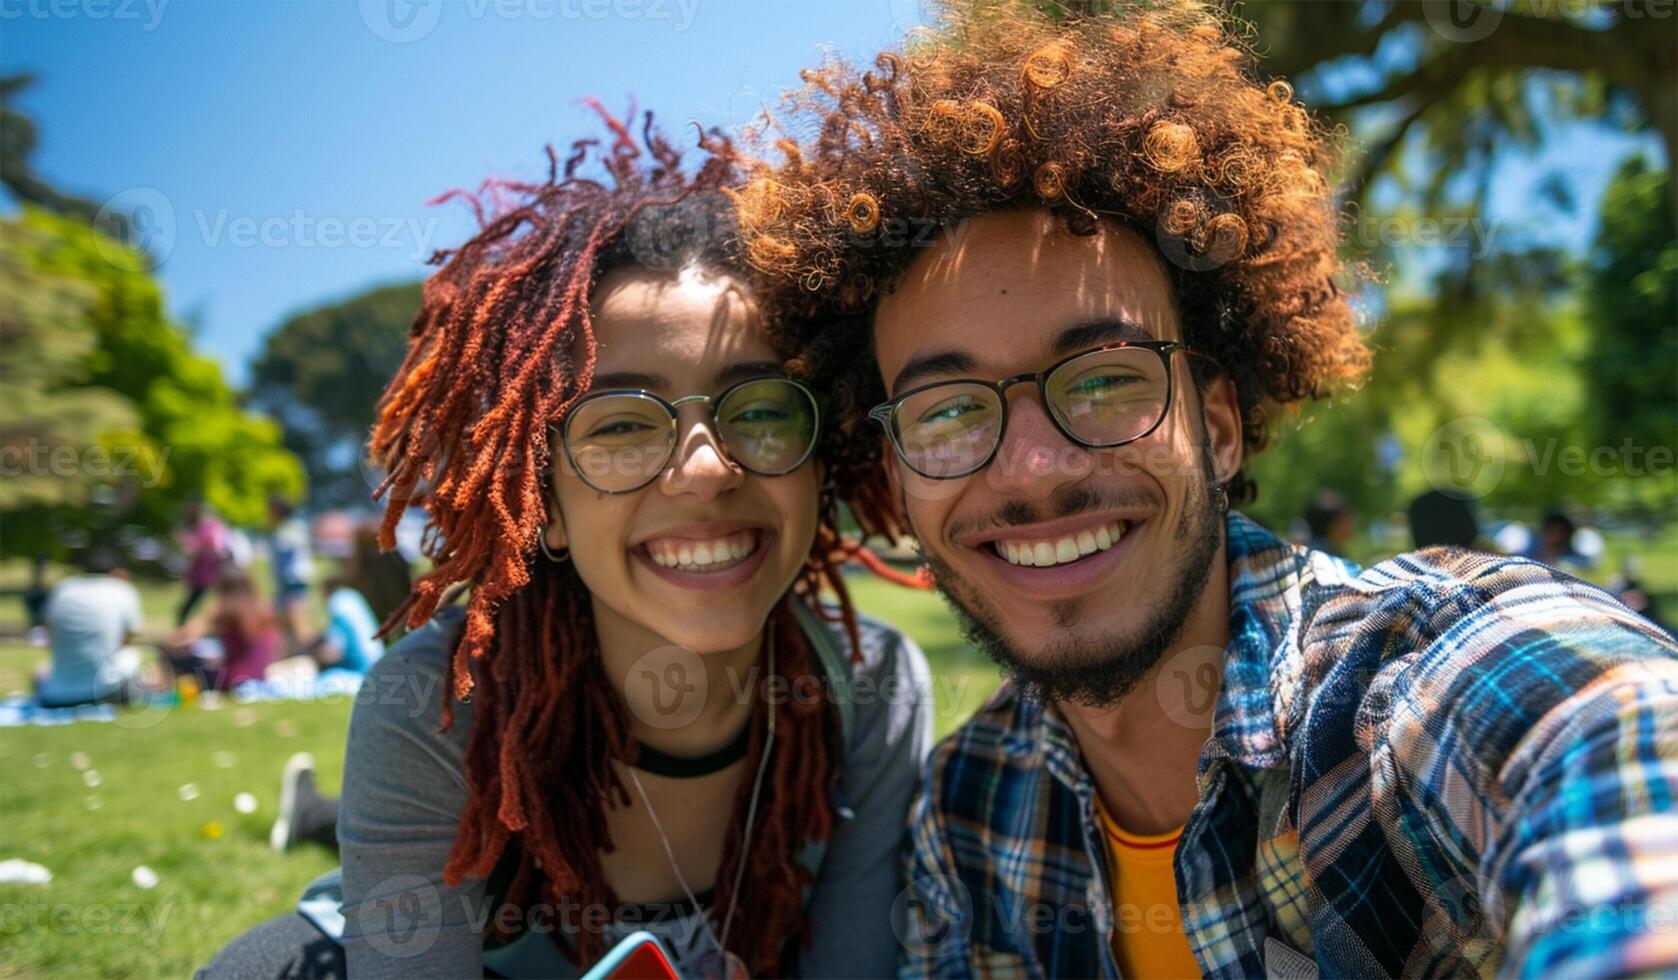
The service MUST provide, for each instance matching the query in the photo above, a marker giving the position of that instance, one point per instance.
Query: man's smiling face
(1076, 568)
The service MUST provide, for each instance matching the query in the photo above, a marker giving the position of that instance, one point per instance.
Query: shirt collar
(1266, 579)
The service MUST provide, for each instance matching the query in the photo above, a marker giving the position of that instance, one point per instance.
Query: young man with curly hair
(1076, 266)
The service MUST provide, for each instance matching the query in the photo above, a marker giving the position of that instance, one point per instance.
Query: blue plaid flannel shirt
(1448, 764)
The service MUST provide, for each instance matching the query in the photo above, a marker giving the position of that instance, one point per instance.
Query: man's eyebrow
(1094, 333)
(630, 379)
(748, 369)
(930, 365)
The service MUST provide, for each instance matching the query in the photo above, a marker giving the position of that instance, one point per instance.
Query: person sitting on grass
(350, 643)
(91, 619)
(235, 641)
(382, 577)
(644, 715)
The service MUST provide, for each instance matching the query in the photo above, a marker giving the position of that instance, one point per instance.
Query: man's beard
(1085, 671)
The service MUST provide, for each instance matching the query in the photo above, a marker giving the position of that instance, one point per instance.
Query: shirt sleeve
(850, 908)
(1541, 731)
(404, 791)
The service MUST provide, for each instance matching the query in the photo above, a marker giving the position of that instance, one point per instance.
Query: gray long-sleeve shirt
(404, 790)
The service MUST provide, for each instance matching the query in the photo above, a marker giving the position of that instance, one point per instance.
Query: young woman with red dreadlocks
(640, 715)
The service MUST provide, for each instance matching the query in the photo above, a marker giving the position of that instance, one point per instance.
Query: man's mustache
(1068, 502)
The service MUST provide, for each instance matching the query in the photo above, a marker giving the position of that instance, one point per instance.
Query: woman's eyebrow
(631, 379)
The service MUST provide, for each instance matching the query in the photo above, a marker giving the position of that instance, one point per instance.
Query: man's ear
(1221, 409)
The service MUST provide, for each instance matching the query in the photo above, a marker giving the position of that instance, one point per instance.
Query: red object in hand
(639, 957)
(646, 962)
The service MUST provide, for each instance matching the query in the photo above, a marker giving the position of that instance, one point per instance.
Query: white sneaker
(280, 835)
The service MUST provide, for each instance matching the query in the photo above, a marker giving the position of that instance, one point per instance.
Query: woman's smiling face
(640, 553)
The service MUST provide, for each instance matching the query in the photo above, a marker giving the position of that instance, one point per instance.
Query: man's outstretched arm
(1542, 731)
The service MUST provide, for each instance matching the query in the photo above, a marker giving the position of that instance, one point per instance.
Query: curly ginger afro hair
(1145, 114)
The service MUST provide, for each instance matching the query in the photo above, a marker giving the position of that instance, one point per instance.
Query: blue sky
(291, 146)
(285, 150)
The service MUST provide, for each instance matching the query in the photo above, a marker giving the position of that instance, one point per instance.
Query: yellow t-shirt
(1148, 937)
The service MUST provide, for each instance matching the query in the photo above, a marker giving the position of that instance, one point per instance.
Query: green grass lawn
(216, 874)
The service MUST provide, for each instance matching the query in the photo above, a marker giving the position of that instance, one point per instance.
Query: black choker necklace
(651, 760)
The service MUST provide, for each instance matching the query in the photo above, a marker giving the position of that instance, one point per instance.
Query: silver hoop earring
(1223, 497)
(560, 559)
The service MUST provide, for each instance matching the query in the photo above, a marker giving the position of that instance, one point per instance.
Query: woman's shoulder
(885, 650)
(430, 646)
(887, 688)
(409, 682)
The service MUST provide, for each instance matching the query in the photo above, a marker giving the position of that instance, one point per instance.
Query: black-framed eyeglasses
(1098, 399)
(621, 439)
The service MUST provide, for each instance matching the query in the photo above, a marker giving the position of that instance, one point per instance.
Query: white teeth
(1059, 551)
(691, 555)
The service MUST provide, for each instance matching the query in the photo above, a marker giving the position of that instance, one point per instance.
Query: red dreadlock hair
(502, 346)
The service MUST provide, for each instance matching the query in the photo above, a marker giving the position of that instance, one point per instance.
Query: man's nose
(1035, 459)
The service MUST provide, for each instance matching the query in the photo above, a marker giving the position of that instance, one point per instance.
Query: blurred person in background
(1627, 584)
(382, 577)
(1331, 521)
(292, 563)
(35, 596)
(350, 642)
(1555, 543)
(91, 619)
(232, 643)
(1440, 518)
(203, 539)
